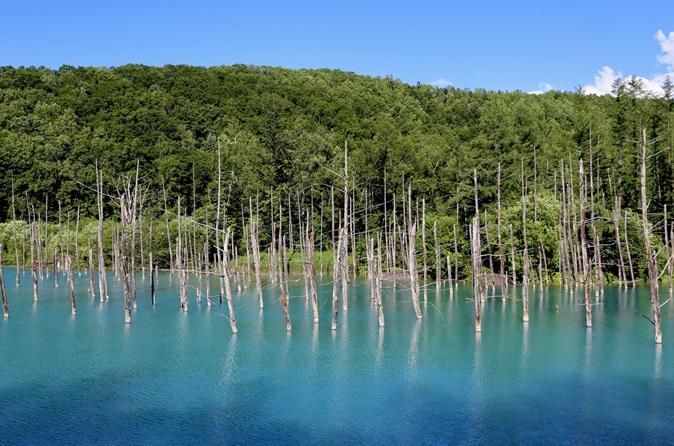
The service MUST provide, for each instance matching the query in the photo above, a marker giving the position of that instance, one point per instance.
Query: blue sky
(496, 45)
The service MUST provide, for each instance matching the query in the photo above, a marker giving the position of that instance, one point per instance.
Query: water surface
(183, 378)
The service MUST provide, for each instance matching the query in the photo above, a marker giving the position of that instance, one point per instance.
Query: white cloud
(603, 81)
(542, 88)
(667, 46)
(441, 83)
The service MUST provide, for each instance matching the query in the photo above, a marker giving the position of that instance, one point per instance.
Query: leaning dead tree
(224, 279)
(652, 273)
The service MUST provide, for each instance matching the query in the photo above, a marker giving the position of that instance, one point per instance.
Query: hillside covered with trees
(281, 134)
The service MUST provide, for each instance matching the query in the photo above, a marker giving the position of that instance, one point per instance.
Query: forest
(302, 150)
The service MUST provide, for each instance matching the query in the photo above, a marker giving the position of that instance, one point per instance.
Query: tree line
(270, 142)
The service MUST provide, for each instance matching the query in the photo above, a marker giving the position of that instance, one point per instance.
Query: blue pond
(182, 378)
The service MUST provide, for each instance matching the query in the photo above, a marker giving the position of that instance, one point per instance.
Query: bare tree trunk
(55, 265)
(272, 249)
(489, 256)
(668, 252)
(152, 283)
(16, 245)
(438, 266)
(77, 243)
(412, 256)
(423, 242)
(182, 275)
(102, 282)
(3, 292)
(225, 277)
(595, 237)
(312, 274)
(477, 271)
(456, 259)
(33, 266)
(256, 254)
(92, 275)
(652, 273)
(166, 215)
(583, 246)
(501, 257)
(69, 271)
(512, 255)
(525, 255)
(378, 277)
(629, 256)
(284, 304)
(338, 264)
(125, 217)
(622, 276)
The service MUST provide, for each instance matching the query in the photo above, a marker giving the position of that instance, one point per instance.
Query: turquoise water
(183, 378)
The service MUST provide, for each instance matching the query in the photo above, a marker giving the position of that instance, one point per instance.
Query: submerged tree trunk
(69, 272)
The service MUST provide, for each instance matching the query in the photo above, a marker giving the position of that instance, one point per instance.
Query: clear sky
(491, 44)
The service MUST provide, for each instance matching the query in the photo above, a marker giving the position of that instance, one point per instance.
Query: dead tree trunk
(256, 255)
(525, 254)
(501, 257)
(225, 277)
(622, 276)
(512, 255)
(629, 255)
(378, 278)
(652, 273)
(3, 292)
(92, 276)
(102, 281)
(477, 271)
(77, 243)
(583, 246)
(182, 274)
(423, 242)
(33, 266)
(338, 265)
(16, 245)
(312, 276)
(438, 266)
(412, 258)
(69, 271)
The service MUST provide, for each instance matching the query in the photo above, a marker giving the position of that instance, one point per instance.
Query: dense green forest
(281, 133)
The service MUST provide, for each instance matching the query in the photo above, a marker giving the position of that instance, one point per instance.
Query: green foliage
(280, 133)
